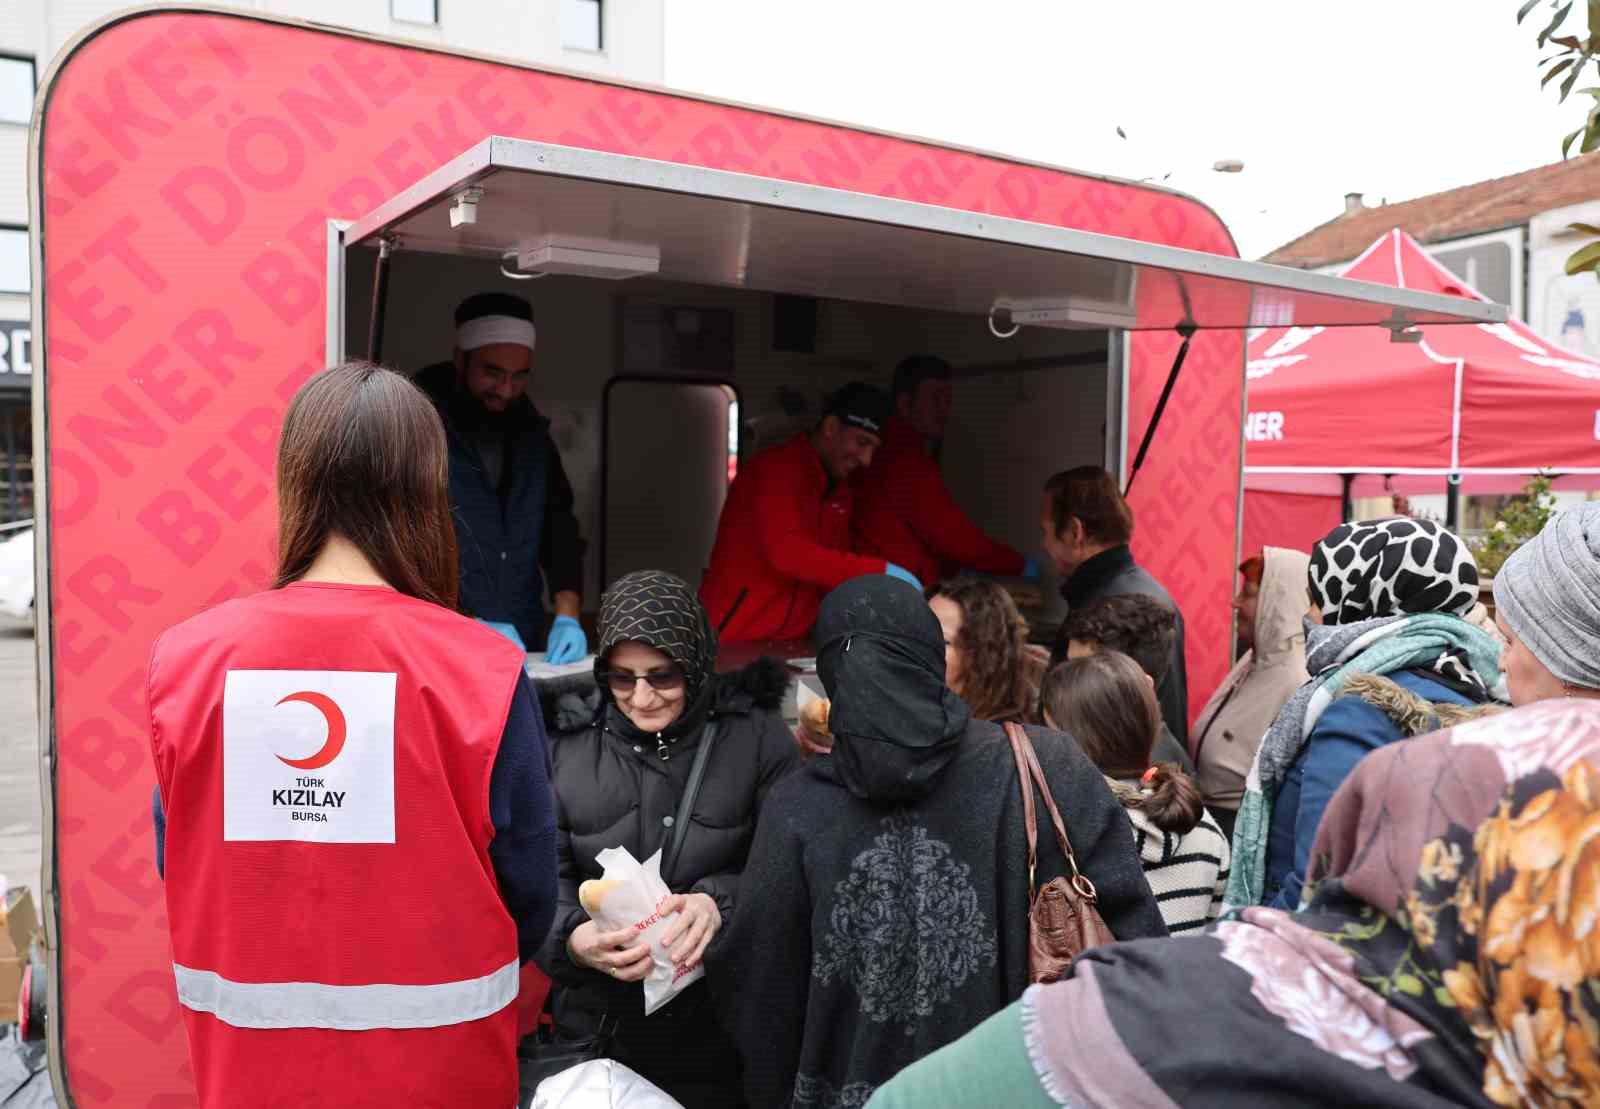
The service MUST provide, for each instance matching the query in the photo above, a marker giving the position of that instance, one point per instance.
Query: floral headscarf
(1449, 953)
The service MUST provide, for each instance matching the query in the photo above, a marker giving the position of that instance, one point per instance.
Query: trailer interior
(688, 317)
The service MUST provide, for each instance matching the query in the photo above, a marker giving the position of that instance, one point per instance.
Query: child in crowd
(1108, 704)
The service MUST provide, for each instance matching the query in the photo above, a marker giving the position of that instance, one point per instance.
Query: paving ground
(19, 759)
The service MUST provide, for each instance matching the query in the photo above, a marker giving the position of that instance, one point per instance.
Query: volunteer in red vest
(784, 538)
(904, 511)
(353, 813)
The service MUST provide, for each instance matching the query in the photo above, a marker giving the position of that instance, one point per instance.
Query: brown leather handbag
(1063, 918)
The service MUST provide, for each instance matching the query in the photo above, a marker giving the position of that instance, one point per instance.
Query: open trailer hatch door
(546, 208)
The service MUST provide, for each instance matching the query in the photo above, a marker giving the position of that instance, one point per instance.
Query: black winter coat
(1114, 573)
(889, 930)
(612, 790)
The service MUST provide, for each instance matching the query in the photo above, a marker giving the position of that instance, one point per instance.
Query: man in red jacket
(904, 511)
(784, 538)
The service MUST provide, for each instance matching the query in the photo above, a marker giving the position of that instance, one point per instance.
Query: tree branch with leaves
(1574, 54)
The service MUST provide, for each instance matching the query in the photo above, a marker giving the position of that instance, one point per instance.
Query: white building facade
(614, 38)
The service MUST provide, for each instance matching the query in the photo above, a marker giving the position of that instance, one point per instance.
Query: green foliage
(1573, 55)
(1523, 517)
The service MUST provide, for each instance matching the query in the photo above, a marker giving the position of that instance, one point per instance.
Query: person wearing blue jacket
(510, 498)
(1393, 657)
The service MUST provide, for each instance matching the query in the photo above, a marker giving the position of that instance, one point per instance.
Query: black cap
(479, 305)
(860, 405)
(914, 369)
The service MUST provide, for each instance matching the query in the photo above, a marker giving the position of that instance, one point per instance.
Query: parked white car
(16, 574)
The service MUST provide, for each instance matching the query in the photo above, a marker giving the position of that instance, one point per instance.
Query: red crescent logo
(331, 712)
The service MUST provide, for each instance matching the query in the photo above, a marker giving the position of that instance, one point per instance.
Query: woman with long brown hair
(1108, 704)
(353, 811)
(987, 658)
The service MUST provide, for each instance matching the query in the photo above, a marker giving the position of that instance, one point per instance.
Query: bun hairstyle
(1167, 796)
(1108, 704)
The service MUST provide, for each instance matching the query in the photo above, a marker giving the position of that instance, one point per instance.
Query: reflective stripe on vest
(351, 1008)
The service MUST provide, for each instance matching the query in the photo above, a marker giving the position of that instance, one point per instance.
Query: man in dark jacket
(512, 503)
(892, 873)
(1087, 527)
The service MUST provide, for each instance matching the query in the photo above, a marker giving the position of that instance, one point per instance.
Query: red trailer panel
(186, 164)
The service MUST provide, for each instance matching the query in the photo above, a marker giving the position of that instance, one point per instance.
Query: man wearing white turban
(1547, 605)
(512, 503)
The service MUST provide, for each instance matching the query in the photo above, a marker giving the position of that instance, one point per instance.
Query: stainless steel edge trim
(499, 152)
(333, 337)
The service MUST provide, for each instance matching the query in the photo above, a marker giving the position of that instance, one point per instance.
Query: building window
(16, 89)
(582, 23)
(14, 260)
(415, 11)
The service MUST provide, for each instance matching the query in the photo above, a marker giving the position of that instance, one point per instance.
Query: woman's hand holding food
(697, 922)
(611, 953)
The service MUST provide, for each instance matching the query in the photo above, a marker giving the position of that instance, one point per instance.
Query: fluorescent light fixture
(589, 258)
(1068, 312)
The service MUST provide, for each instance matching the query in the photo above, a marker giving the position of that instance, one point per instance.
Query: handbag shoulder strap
(1029, 818)
(691, 792)
(1024, 745)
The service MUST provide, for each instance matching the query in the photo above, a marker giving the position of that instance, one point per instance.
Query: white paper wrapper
(635, 904)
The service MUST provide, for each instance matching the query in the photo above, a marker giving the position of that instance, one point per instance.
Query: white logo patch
(308, 755)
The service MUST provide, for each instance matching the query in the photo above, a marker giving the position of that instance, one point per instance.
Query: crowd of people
(1361, 878)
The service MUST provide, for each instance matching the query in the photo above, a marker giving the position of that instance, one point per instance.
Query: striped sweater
(1187, 873)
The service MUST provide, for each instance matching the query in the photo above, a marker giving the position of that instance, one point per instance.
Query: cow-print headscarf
(1393, 594)
(1395, 567)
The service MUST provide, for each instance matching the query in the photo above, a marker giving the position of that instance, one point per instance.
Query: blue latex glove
(903, 574)
(507, 630)
(566, 642)
(1030, 568)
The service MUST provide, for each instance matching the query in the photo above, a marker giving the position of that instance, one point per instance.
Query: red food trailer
(225, 202)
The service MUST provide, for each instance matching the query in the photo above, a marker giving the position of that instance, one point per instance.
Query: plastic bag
(600, 1084)
(636, 904)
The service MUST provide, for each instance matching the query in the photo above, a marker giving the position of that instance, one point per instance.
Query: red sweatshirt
(784, 537)
(905, 513)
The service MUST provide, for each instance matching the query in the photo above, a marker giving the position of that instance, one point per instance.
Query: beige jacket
(1230, 727)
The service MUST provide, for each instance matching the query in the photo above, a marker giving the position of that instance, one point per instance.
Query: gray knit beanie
(1549, 593)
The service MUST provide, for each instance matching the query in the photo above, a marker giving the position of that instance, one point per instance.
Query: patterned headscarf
(1391, 567)
(1446, 956)
(1396, 567)
(1393, 594)
(658, 609)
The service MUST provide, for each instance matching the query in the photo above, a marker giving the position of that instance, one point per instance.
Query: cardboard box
(18, 924)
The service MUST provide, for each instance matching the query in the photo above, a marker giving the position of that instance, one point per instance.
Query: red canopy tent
(1489, 404)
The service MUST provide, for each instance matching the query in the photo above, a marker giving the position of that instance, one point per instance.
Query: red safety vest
(338, 936)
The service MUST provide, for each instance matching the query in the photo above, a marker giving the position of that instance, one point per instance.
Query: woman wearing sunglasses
(620, 773)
